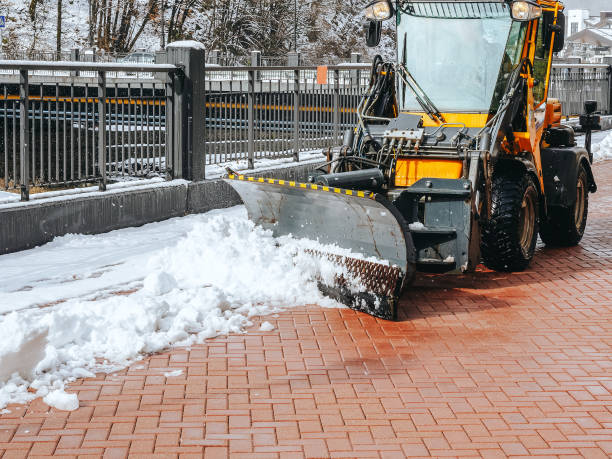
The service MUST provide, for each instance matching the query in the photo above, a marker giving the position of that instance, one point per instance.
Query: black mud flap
(365, 223)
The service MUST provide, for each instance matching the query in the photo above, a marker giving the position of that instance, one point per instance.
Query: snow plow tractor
(458, 158)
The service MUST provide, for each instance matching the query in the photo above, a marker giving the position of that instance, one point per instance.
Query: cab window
(540, 65)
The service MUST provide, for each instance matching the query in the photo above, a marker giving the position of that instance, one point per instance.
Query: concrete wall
(27, 225)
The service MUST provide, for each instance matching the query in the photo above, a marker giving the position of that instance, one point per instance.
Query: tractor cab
(461, 55)
(458, 55)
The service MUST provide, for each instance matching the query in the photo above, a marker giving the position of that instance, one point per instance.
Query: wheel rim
(527, 221)
(580, 205)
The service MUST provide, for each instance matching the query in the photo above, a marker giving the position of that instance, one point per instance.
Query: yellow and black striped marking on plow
(365, 223)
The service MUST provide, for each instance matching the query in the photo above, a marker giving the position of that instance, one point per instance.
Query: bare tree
(179, 12)
(59, 28)
(37, 11)
(118, 24)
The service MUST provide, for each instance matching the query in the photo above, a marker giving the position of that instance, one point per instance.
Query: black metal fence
(70, 133)
(94, 122)
(573, 84)
(272, 112)
(118, 126)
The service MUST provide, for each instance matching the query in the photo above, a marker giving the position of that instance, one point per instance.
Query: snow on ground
(266, 327)
(597, 137)
(84, 304)
(61, 400)
(13, 199)
(602, 149)
(173, 374)
(213, 171)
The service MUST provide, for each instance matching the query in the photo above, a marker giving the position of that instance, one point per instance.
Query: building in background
(589, 38)
(576, 21)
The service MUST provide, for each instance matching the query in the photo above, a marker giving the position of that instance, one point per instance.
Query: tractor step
(433, 231)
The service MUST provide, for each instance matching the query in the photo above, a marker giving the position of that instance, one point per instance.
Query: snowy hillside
(24, 34)
(327, 29)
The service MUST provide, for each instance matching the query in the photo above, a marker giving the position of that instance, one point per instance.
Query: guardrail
(273, 112)
(573, 84)
(94, 122)
(77, 55)
(54, 135)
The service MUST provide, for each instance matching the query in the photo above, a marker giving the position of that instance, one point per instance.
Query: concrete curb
(35, 223)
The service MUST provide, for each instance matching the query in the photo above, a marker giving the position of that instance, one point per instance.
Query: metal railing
(65, 123)
(57, 135)
(573, 84)
(68, 69)
(78, 55)
(274, 112)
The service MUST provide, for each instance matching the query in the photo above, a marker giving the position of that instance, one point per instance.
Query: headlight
(379, 11)
(525, 11)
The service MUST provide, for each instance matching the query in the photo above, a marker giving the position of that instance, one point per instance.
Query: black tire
(509, 237)
(565, 226)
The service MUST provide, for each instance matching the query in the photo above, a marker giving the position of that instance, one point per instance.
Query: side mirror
(559, 42)
(373, 33)
(590, 107)
(558, 29)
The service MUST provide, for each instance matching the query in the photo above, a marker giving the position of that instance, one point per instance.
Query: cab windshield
(457, 52)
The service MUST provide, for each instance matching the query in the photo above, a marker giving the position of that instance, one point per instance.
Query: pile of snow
(223, 271)
(603, 150)
(266, 327)
(61, 400)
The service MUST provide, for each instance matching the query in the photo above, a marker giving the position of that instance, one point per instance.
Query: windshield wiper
(421, 96)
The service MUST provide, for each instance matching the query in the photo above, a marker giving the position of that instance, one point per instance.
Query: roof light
(525, 11)
(379, 11)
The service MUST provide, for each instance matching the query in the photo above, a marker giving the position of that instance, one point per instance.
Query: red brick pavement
(487, 365)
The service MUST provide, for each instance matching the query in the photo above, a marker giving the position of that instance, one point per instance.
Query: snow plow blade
(365, 223)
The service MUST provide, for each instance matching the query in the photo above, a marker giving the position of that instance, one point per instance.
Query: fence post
(256, 62)
(296, 114)
(336, 106)
(75, 56)
(251, 120)
(294, 59)
(24, 134)
(610, 90)
(102, 129)
(608, 60)
(355, 74)
(213, 56)
(160, 58)
(189, 126)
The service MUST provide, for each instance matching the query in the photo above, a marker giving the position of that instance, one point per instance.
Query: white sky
(594, 6)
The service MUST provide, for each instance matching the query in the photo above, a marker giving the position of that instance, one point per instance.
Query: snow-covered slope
(22, 34)
(328, 30)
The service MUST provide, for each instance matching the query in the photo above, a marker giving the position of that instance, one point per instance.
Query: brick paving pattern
(486, 365)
